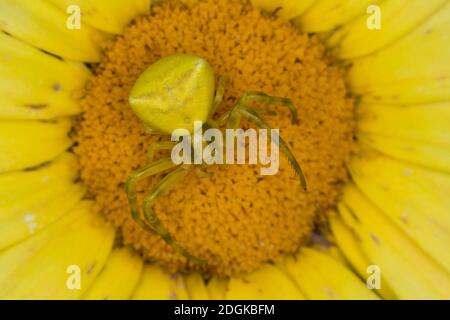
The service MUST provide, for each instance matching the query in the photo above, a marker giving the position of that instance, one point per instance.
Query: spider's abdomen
(173, 93)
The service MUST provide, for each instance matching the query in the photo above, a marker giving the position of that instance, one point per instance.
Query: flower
(390, 226)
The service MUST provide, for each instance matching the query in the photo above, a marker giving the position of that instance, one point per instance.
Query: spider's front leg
(250, 97)
(244, 109)
(220, 91)
(260, 97)
(160, 145)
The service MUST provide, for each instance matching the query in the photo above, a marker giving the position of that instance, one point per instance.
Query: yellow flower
(391, 225)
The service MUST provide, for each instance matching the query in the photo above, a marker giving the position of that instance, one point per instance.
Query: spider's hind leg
(150, 222)
(164, 186)
(138, 175)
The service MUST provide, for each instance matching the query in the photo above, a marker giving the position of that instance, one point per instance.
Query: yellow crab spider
(171, 94)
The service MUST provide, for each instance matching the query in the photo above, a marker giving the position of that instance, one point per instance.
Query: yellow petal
(330, 250)
(267, 283)
(322, 277)
(196, 287)
(32, 199)
(417, 134)
(426, 123)
(288, 9)
(410, 272)
(18, 108)
(217, 288)
(155, 284)
(352, 251)
(25, 144)
(107, 15)
(398, 18)
(426, 154)
(43, 25)
(45, 266)
(415, 199)
(415, 70)
(326, 15)
(35, 85)
(118, 277)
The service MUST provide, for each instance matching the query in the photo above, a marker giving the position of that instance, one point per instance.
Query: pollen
(232, 217)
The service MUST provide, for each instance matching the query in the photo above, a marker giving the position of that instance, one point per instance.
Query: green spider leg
(242, 109)
(201, 171)
(138, 175)
(150, 222)
(168, 145)
(164, 186)
(220, 91)
(250, 97)
(161, 145)
(261, 97)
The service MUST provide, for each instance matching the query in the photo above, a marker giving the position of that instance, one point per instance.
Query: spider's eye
(174, 89)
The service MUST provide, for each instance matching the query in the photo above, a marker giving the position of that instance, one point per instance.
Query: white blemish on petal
(408, 172)
(329, 292)
(29, 220)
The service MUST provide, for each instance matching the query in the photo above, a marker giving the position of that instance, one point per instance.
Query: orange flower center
(234, 218)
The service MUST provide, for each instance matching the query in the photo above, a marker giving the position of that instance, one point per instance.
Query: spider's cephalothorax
(170, 95)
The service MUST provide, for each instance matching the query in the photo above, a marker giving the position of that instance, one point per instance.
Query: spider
(171, 94)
